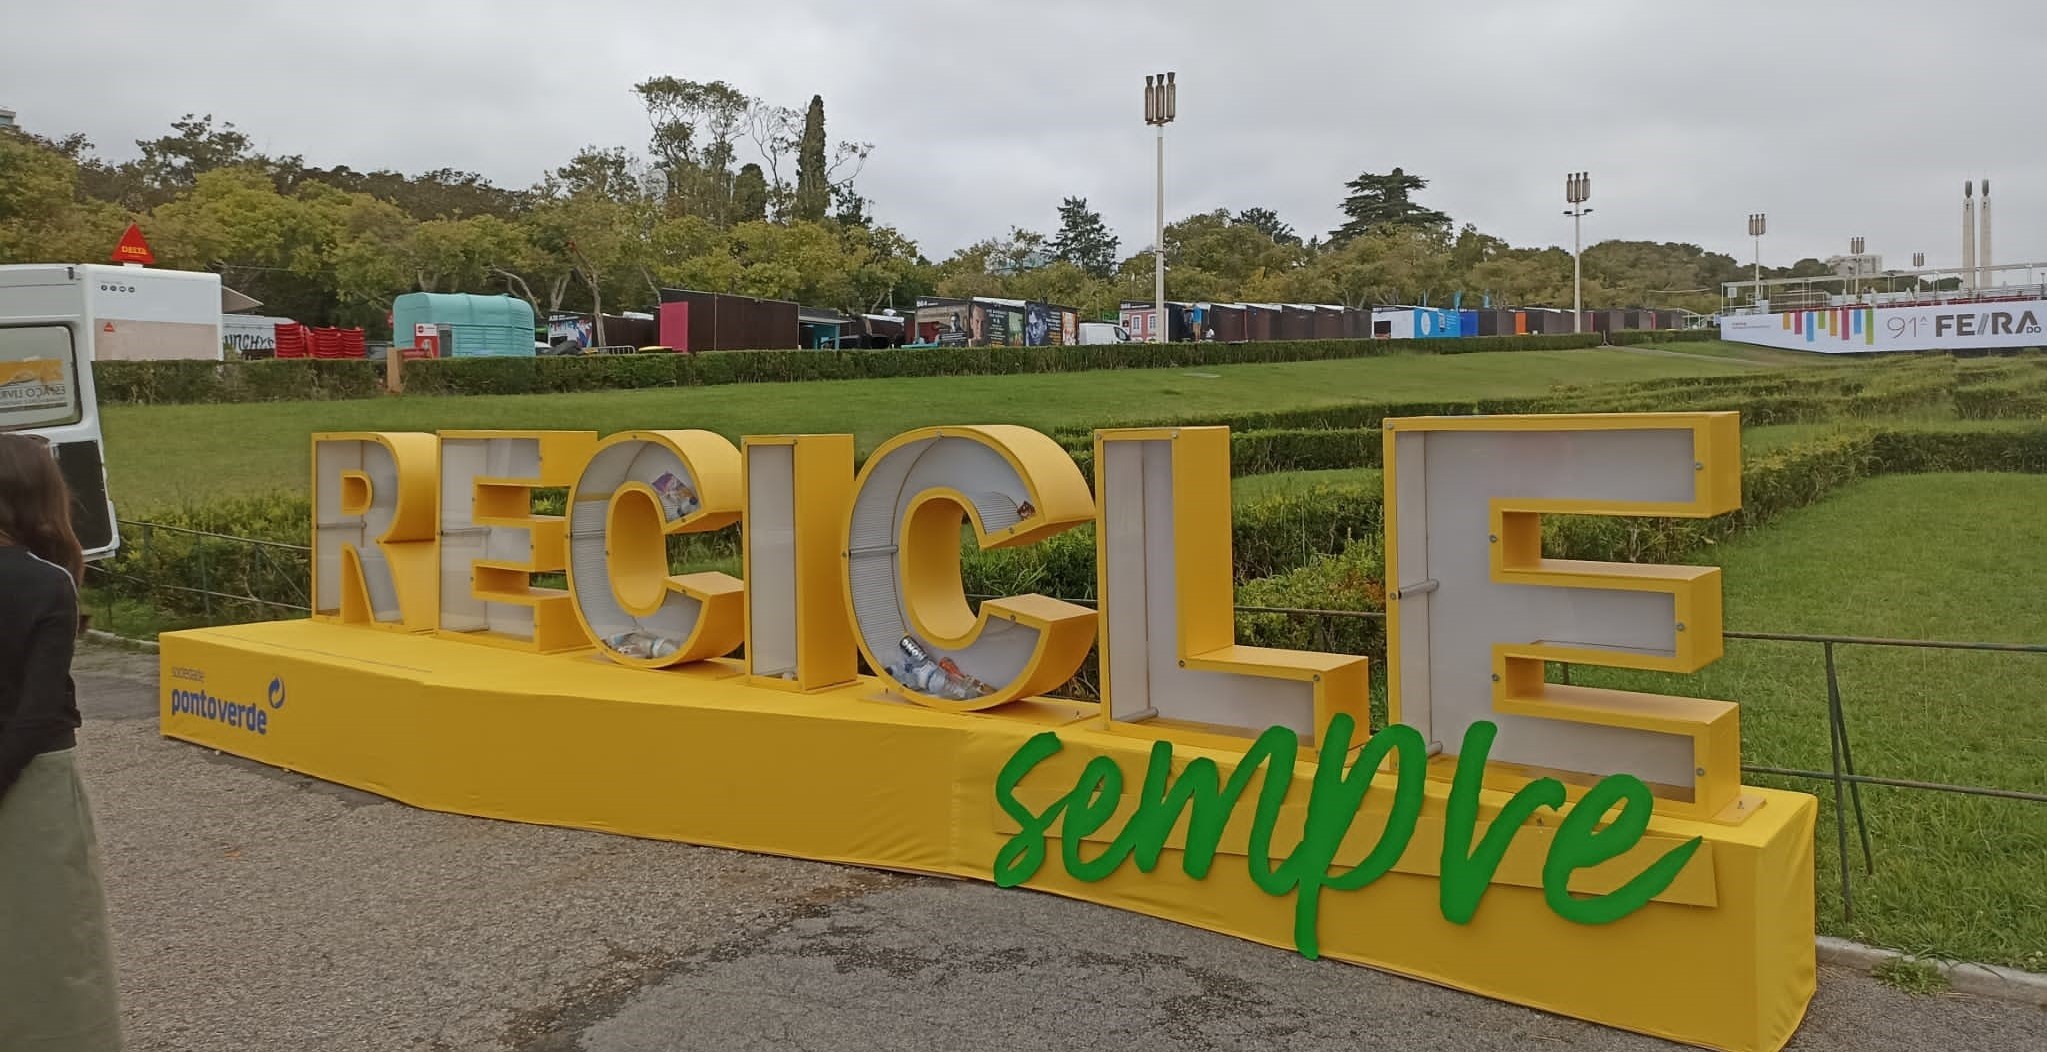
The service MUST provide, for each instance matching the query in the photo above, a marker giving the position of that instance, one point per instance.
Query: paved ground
(257, 910)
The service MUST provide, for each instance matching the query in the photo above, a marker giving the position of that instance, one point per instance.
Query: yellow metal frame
(636, 546)
(1516, 558)
(508, 503)
(1206, 587)
(411, 545)
(821, 478)
(929, 575)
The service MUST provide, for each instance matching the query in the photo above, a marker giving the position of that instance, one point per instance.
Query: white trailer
(136, 313)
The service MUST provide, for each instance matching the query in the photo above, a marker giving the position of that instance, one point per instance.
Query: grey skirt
(56, 964)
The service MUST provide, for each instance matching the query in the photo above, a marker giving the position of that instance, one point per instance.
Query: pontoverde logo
(242, 716)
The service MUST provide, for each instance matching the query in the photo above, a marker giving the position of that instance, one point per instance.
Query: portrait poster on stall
(1037, 325)
(995, 326)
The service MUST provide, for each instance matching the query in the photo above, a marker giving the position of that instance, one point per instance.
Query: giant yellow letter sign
(639, 489)
(492, 544)
(1170, 660)
(1477, 610)
(902, 552)
(374, 529)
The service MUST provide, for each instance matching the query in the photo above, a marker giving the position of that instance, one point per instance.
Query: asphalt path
(259, 910)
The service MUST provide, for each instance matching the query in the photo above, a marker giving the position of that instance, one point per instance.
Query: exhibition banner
(1865, 329)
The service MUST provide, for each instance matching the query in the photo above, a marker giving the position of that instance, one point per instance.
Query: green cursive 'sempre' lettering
(1337, 793)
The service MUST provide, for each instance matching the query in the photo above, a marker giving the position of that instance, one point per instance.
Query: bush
(157, 383)
(1350, 580)
(1642, 336)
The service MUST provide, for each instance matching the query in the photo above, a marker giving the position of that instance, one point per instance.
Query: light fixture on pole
(1577, 190)
(1855, 246)
(1758, 225)
(1161, 105)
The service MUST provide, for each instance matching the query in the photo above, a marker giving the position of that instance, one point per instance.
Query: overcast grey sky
(1836, 118)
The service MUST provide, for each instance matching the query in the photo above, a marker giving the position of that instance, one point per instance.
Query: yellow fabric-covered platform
(1723, 957)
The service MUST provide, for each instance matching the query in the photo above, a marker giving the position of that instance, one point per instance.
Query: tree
(173, 163)
(1083, 239)
(593, 170)
(695, 125)
(750, 195)
(1232, 253)
(1379, 202)
(812, 181)
(1267, 222)
(43, 218)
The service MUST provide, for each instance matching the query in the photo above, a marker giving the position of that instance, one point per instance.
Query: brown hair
(35, 504)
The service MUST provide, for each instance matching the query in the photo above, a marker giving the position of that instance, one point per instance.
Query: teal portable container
(470, 326)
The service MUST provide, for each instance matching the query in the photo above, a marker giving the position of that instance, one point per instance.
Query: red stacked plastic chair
(327, 344)
(352, 345)
(291, 340)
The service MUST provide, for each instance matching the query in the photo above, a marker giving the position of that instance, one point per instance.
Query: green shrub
(153, 383)
(1350, 580)
(1640, 336)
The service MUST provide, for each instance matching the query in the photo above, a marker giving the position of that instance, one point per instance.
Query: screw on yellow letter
(373, 529)
(1477, 610)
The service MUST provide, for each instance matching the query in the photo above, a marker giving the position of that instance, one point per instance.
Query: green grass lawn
(1924, 557)
(178, 453)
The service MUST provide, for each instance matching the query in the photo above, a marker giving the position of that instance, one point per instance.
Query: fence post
(148, 577)
(1838, 717)
(1840, 790)
(205, 585)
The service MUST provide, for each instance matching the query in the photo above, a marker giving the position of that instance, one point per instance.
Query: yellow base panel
(1724, 959)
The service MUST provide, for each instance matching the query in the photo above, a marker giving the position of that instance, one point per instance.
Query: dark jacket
(38, 624)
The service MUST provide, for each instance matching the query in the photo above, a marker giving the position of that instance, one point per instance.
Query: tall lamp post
(1758, 225)
(1577, 190)
(1161, 105)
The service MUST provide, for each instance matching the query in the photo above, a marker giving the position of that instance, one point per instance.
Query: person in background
(56, 960)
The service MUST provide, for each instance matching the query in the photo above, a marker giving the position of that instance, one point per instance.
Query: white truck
(56, 320)
(1102, 332)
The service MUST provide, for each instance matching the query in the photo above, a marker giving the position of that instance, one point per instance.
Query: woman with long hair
(56, 961)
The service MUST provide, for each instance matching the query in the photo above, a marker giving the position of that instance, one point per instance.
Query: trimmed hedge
(155, 383)
(161, 383)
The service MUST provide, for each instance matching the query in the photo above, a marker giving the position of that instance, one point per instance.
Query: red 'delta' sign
(133, 249)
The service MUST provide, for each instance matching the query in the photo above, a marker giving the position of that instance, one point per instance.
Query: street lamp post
(1577, 190)
(1758, 225)
(1161, 105)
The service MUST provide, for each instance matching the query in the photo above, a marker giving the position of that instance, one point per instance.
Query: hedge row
(153, 383)
(1762, 399)
(165, 383)
(1274, 450)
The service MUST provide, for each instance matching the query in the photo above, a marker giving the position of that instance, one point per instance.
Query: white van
(47, 340)
(1102, 332)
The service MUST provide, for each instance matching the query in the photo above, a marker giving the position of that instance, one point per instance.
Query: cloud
(1838, 119)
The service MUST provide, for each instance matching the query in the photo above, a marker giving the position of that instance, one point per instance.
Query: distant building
(7, 118)
(1864, 265)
